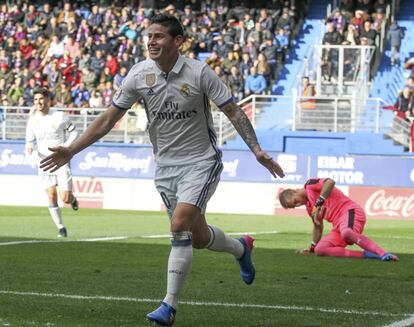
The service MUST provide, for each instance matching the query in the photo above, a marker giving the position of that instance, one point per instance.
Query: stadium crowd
(82, 51)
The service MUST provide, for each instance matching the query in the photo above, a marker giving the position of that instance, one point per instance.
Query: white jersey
(47, 131)
(180, 123)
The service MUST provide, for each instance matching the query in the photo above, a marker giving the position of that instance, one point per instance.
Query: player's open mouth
(154, 50)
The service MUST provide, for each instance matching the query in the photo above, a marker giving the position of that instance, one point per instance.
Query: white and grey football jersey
(180, 123)
(48, 131)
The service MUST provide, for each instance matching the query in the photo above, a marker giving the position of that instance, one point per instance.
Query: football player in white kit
(176, 92)
(49, 129)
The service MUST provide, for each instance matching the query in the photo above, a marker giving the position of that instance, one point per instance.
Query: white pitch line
(231, 233)
(403, 323)
(207, 304)
(96, 239)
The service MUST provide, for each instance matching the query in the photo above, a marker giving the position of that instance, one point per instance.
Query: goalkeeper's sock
(221, 242)
(56, 216)
(179, 264)
(362, 241)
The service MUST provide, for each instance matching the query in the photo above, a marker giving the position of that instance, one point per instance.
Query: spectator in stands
(262, 66)
(251, 48)
(325, 202)
(221, 47)
(281, 41)
(405, 104)
(269, 50)
(66, 14)
(80, 95)
(29, 92)
(394, 36)
(97, 63)
(241, 33)
(229, 62)
(245, 64)
(351, 36)
(358, 20)
(255, 83)
(409, 64)
(63, 96)
(410, 83)
(308, 91)
(15, 92)
(285, 21)
(337, 20)
(120, 76)
(331, 36)
(96, 100)
(236, 83)
(369, 33)
(378, 20)
(213, 60)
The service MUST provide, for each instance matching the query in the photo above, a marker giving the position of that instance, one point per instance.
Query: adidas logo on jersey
(150, 92)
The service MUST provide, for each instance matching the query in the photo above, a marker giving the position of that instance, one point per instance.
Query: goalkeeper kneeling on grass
(326, 202)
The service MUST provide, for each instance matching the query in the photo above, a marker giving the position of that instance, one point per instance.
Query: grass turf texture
(124, 279)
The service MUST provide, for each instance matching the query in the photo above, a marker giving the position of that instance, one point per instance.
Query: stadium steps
(389, 80)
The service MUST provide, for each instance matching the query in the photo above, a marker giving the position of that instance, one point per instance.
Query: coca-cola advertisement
(385, 203)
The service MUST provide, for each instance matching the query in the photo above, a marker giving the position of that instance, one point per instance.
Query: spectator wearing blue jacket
(255, 83)
(80, 96)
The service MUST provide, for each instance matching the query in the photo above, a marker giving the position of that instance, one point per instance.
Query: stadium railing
(401, 132)
(323, 113)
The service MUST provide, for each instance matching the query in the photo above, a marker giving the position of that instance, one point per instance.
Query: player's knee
(320, 250)
(66, 197)
(182, 238)
(200, 240)
(348, 235)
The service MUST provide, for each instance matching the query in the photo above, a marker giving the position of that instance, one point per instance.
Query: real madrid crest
(185, 90)
(150, 79)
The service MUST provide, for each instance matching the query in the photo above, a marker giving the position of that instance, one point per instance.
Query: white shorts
(194, 184)
(62, 178)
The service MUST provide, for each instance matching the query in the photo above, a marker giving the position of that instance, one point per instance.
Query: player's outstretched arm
(99, 128)
(244, 127)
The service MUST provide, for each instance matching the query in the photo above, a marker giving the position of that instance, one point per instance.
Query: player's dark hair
(171, 22)
(43, 91)
(284, 196)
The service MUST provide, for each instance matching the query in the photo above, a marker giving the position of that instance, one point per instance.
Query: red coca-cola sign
(390, 203)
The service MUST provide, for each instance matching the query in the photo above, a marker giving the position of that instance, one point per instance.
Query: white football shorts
(62, 178)
(194, 184)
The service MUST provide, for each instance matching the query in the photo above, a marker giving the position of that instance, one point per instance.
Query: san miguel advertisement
(383, 186)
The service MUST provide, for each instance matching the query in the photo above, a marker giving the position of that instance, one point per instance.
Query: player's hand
(316, 215)
(271, 165)
(60, 156)
(309, 251)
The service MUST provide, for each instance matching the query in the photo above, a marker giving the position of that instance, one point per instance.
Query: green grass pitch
(109, 273)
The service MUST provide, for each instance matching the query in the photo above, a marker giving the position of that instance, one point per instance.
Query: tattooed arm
(243, 126)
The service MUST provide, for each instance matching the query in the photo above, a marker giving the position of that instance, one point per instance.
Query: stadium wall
(120, 177)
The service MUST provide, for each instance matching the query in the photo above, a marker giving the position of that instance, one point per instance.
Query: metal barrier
(401, 132)
(335, 114)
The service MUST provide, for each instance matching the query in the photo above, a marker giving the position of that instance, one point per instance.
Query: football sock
(179, 264)
(362, 241)
(56, 216)
(221, 242)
